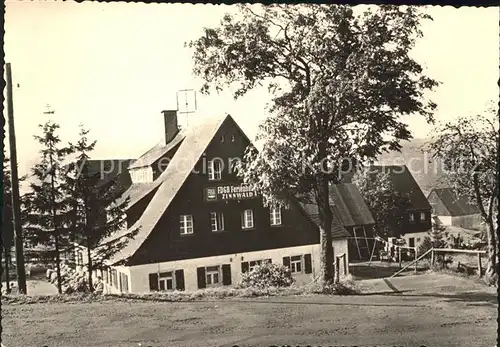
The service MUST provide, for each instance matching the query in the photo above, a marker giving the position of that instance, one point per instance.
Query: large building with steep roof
(198, 225)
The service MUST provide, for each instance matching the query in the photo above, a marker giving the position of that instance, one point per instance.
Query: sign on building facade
(229, 192)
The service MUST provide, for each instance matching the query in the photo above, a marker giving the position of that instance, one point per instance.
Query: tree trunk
(325, 215)
(491, 274)
(89, 266)
(58, 265)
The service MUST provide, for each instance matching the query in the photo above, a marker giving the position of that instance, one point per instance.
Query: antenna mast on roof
(49, 110)
(186, 102)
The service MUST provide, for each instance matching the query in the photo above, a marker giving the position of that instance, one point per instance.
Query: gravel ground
(424, 310)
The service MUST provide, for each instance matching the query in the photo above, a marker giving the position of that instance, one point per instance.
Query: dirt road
(431, 313)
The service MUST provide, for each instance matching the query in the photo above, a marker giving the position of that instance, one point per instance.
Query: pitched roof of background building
(197, 139)
(349, 205)
(456, 204)
(403, 181)
(110, 169)
(338, 231)
(158, 151)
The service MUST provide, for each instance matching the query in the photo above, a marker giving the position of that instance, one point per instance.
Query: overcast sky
(115, 66)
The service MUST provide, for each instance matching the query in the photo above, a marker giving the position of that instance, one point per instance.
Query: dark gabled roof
(196, 140)
(349, 205)
(456, 204)
(338, 231)
(404, 183)
(158, 151)
(110, 169)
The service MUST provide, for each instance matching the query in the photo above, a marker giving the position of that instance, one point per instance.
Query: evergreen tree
(95, 214)
(47, 203)
(438, 237)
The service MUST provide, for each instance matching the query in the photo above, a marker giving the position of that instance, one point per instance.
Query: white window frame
(275, 215)
(186, 224)
(164, 279)
(217, 221)
(411, 217)
(297, 265)
(247, 220)
(422, 215)
(213, 174)
(212, 273)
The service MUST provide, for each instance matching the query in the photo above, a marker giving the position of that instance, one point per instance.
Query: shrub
(267, 275)
(344, 287)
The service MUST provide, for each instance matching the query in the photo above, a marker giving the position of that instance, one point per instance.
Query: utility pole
(16, 202)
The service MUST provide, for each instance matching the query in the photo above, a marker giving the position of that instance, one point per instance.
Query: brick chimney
(171, 126)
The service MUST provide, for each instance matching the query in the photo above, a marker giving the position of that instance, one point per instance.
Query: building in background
(452, 209)
(354, 215)
(416, 219)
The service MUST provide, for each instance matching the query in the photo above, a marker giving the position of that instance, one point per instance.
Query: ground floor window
(299, 263)
(166, 281)
(212, 275)
(296, 264)
(250, 265)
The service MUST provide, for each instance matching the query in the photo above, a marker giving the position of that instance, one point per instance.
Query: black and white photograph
(183, 175)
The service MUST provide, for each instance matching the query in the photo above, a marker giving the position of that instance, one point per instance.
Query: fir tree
(47, 203)
(95, 214)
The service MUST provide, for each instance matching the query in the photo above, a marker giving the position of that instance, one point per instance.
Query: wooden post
(16, 205)
(479, 265)
(345, 264)
(399, 252)
(337, 268)
(373, 251)
(432, 258)
(416, 261)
